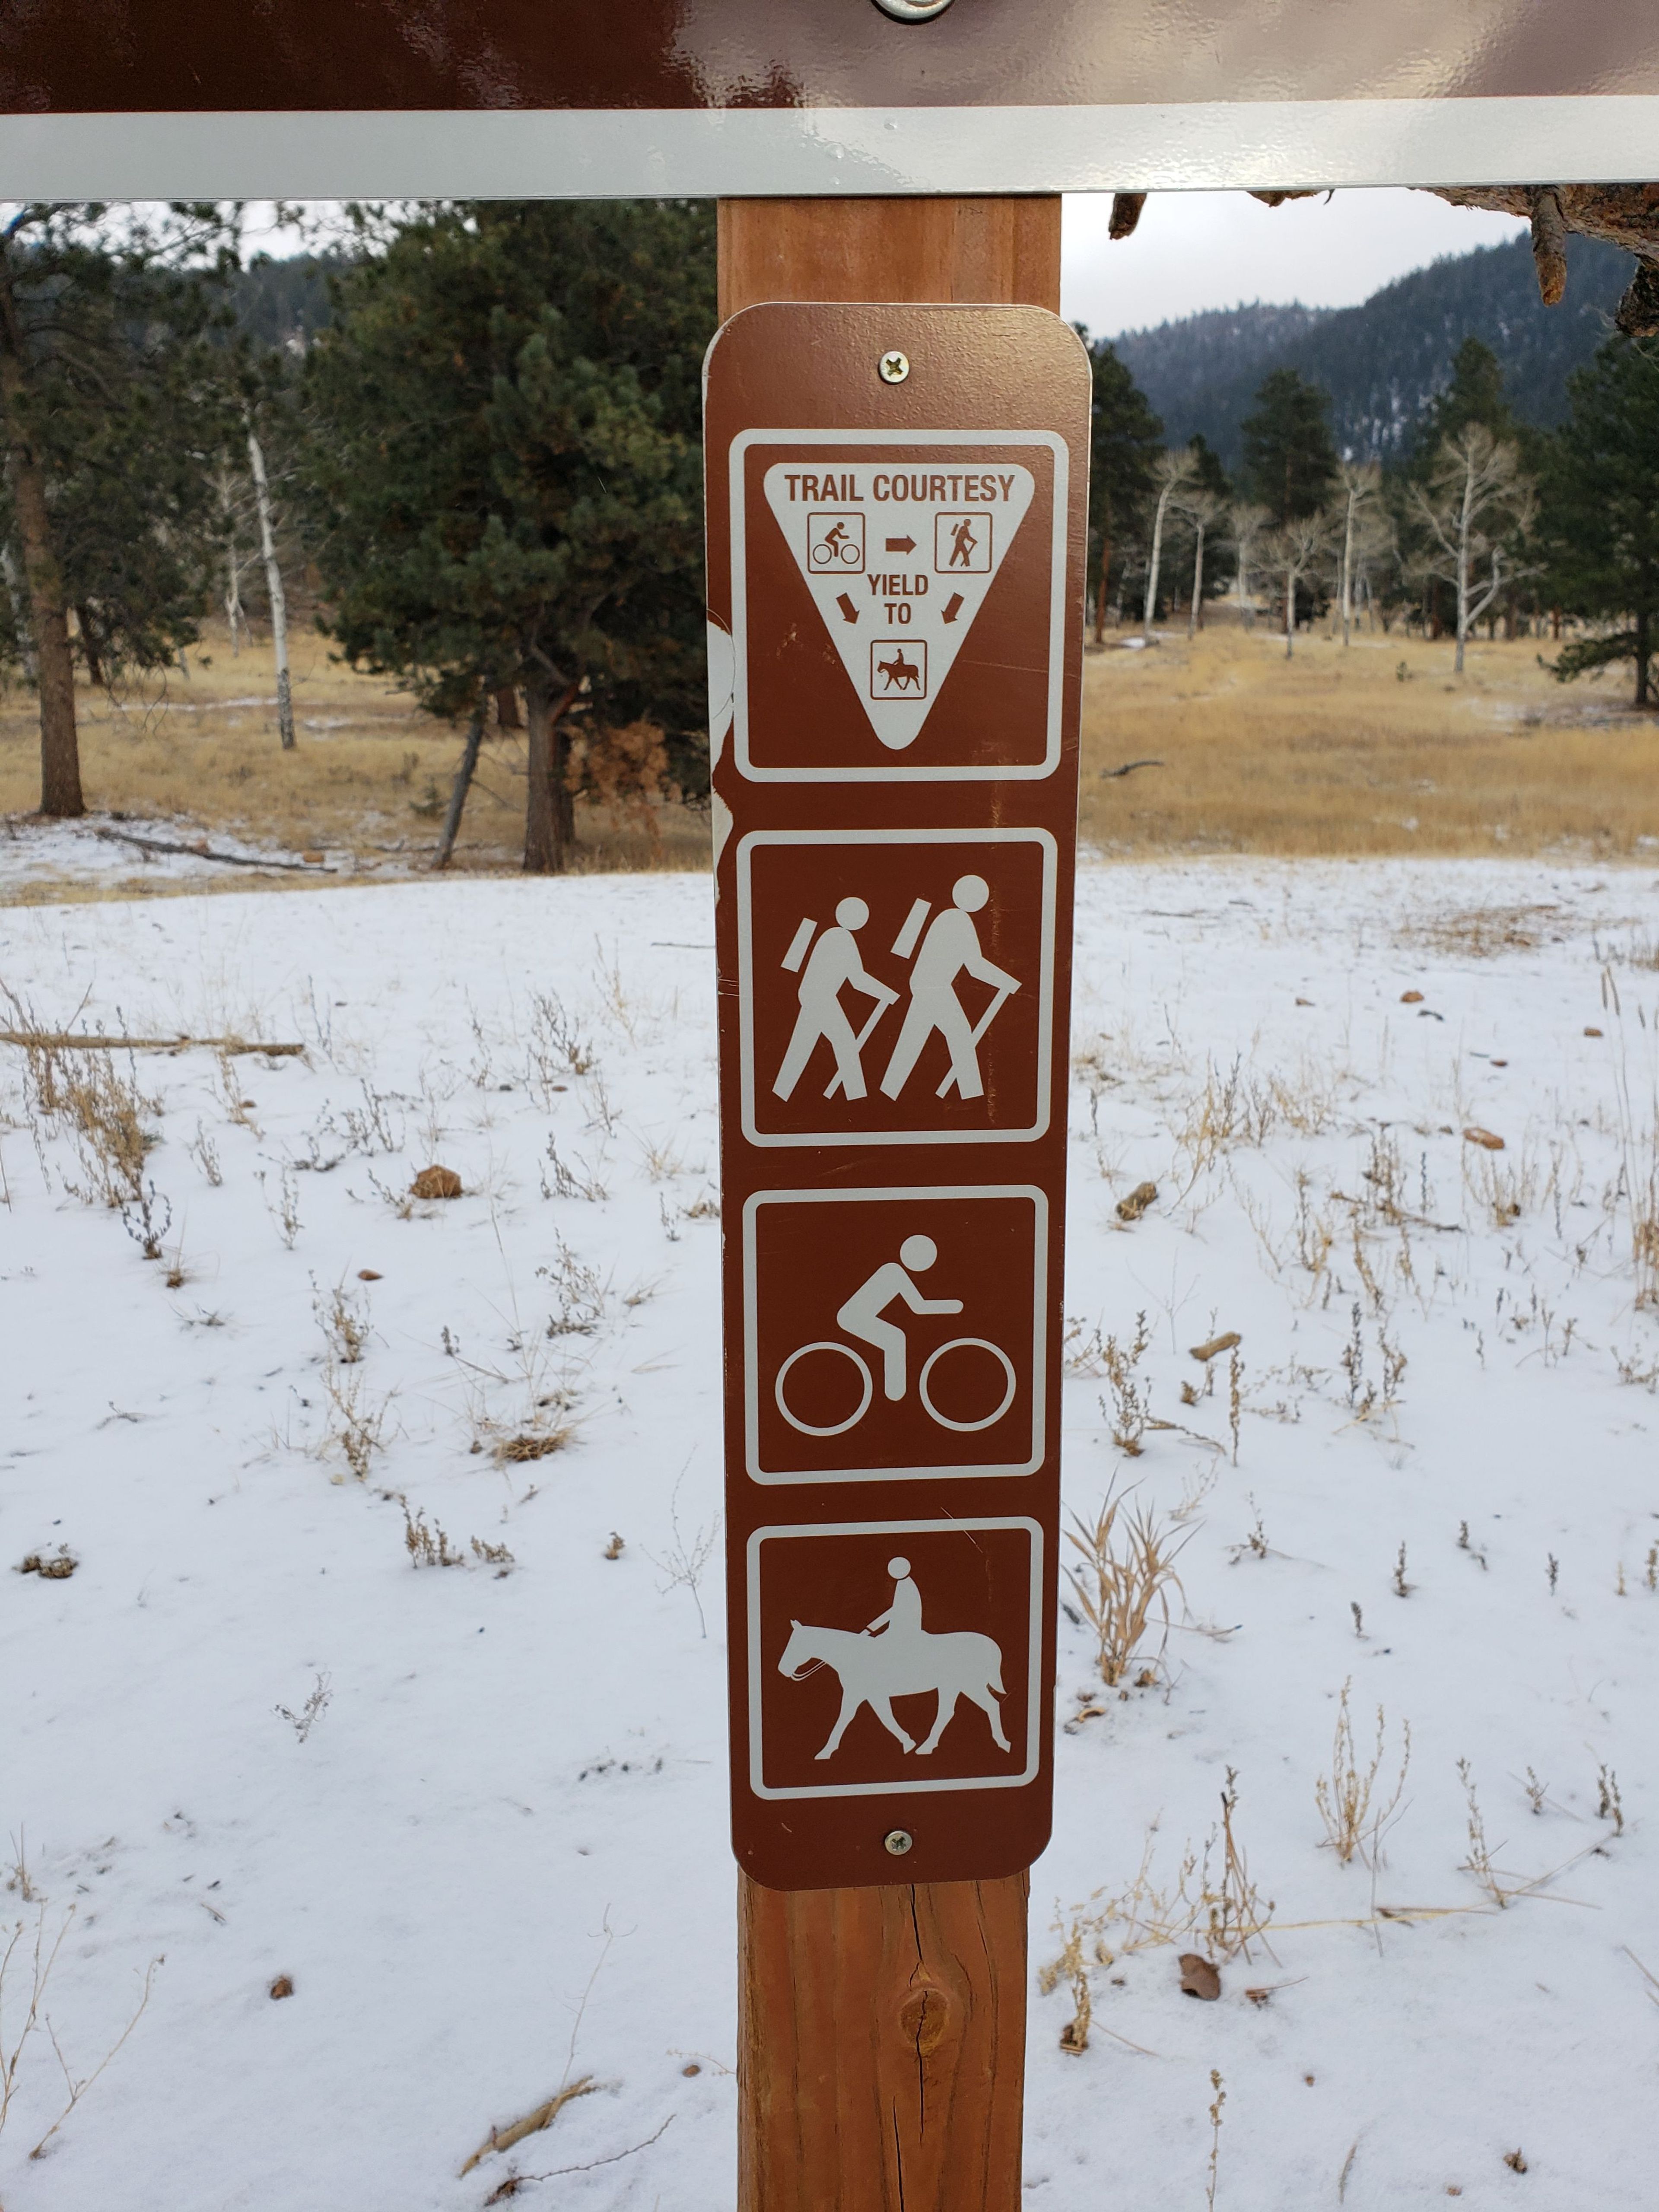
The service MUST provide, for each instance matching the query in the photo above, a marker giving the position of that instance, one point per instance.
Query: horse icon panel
(896, 986)
(893, 1656)
(897, 604)
(890, 1334)
(898, 668)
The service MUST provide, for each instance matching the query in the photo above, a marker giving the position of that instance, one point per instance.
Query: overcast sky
(1196, 250)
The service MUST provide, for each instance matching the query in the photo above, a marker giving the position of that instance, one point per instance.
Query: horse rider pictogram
(896, 1657)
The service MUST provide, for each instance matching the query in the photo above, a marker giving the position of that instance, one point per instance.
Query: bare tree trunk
(1196, 612)
(1643, 650)
(508, 716)
(462, 785)
(274, 588)
(1464, 519)
(234, 596)
(1348, 569)
(550, 822)
(60, 749)
(1157, 560)
(1290, 612)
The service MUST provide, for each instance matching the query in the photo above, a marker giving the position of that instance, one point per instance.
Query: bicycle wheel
(834, 1428)
(968, 1344)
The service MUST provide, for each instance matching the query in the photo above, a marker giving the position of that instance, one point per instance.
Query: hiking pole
(860, 1041)
(979, 1029)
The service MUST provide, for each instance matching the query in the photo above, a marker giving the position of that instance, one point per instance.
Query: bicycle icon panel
(895, 1332)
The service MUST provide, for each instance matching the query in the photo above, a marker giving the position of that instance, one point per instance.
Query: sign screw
(893, 367)
(897, 1841)
(913, 11)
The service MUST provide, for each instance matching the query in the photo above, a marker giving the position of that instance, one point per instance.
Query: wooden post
(881, 2042)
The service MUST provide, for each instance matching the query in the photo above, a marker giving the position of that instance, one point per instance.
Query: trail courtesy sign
(896, 502)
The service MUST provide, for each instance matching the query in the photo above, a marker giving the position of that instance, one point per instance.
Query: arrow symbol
(953, 607)
(901, 545)
(848, 611)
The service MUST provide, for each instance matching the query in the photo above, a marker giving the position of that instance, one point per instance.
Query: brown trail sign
(896, 511)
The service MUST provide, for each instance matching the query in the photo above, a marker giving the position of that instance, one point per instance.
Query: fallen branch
(202, 852)
(533, 2123)
(62, 1041)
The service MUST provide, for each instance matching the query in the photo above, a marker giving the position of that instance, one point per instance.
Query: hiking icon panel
(895, 1335)
(894, 1657)
(896, 986)
(897, 604)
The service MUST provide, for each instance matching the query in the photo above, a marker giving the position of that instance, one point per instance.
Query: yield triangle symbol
(899, 561)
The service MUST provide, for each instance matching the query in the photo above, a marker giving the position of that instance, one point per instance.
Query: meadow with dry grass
(196, 753)
(1374, 749)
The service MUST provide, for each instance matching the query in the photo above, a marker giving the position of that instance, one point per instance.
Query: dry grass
(1125, 1585)
(1333, 752)
(370, 774)
(1352, 1807)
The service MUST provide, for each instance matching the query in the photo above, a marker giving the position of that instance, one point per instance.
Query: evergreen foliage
(1125, 439)
(1290, 460)
(506, 471)
(1602, 514)
(112, 399)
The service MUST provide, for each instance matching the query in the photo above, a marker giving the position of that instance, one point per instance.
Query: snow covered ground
(486, 1841)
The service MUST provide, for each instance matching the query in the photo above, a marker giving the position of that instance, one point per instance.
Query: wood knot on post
(926, 2017)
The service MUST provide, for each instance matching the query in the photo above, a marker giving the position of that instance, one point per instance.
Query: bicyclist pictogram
(894, 1333)
(835, 543)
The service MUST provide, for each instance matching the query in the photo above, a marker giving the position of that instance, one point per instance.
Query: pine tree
(506, 471)
(1600, 514)
(1290, 460)
(111, 404)
(1125, 439)
(1475, 394)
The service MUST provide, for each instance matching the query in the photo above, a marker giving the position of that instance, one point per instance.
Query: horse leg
(849, 1705)
(987, 1702)
(947, 1706)
(883, 1710)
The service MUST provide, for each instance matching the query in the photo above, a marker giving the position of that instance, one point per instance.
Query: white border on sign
(833, 152)
(751, 1384)
(1039, 1125)
(883, 771)
(1033, 1675)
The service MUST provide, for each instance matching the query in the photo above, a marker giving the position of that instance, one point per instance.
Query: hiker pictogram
(896, 671)
(833, 964)
(899, 552)
(894, 1657)
(961, 543)
(948, 950)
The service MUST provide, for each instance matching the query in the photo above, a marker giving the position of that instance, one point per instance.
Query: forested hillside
(1383, 360)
